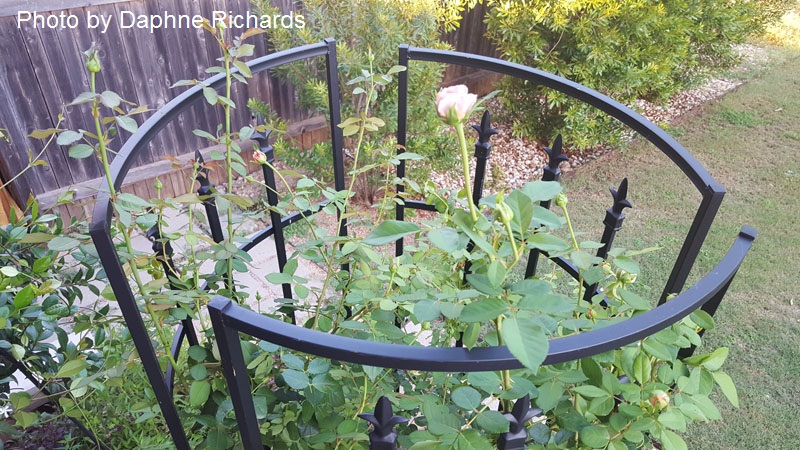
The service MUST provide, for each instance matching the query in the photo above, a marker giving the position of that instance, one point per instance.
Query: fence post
(552, 172)
(275, 217)
(205, 191)
(402, 122)
(235, 369)
(483, 150)
(613, 222)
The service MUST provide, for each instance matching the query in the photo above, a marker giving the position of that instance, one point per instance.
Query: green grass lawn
(749, 140)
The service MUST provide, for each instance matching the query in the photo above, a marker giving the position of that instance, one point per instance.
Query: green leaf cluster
(627, 50)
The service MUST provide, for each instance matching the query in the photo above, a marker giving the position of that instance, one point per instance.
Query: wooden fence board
(20, 111)
(44, 70)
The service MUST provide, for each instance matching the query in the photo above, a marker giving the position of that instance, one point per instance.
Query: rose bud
(455, 103)
(659, 399)
(259, 157)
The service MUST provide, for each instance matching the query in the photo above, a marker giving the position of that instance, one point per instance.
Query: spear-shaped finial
(556, 153)
(202, 172)
(485, 130)
(620, 197)
(517, 433)
(383, 436)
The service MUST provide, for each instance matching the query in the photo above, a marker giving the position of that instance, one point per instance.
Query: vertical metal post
(275, 217)
(139, 334)
(712, 198)
(552, 172)
(402, 130)
(210, 205)
(232, 361)
(613, 222)
(337, 140)
(711, 306)
(483, 149)
(163, 251)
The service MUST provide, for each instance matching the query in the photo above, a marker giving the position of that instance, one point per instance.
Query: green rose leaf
(62, 243)
(702, 319)
(483, 310)
(218, 439)
(68, 137)
(492, 421)
(673, 418)
(25, 419)
(466, 398)
(725, 383)
(127, 124)
(80, 151)
(295, 379)
(199, 392)
(547, 243)
(470, 440)
(426, 310)
(390, 231)
(539, 190)
(525, 340)
(594, 436)
(671, 441)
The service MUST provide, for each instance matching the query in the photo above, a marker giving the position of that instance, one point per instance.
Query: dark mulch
(47, 436)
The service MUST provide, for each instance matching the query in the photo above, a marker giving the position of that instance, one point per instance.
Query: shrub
(377, 26)
(45, 267)
(627, 50)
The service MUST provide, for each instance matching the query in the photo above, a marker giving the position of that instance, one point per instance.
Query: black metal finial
(485, 130)
(202, 172)
(161, 248)
(383, 436)
(517, 433)
(556, 153)
(620, 197)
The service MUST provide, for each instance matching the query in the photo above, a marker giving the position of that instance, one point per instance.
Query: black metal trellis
(230, 319)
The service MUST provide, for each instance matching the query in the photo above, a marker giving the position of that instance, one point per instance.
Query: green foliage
(426, 296)
(627, 50)
(378, 26)
(45, 269)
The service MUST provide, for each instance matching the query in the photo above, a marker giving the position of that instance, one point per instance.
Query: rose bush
(459, 280)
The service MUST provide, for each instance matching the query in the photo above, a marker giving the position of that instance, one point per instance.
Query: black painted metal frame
(229, 319)
(100, 228)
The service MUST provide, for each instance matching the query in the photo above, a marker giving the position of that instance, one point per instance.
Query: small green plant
(741, 118)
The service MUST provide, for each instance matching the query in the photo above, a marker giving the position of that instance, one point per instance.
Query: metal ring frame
(229, 318)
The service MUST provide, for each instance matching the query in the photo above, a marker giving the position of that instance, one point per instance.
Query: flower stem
(462, 140)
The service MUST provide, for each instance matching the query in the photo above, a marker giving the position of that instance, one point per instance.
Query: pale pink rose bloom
(457, 97)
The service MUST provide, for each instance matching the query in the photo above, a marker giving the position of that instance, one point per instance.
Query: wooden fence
(42, 69)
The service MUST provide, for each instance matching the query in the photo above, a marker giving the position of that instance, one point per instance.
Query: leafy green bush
(627, 50)
(377, 26)
(45, 269)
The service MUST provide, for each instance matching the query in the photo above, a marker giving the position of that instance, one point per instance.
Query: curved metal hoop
(227, 315)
